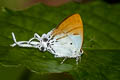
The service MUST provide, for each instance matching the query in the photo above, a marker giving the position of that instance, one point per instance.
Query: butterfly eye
(45, 39)
(42, 48)
(39, 46)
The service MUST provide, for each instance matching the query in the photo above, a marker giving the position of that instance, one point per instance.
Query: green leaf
(101, 39)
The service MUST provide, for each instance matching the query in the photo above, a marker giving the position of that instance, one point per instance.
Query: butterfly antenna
(77, 59)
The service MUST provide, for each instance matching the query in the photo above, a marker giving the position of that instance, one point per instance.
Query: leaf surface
(101, 39)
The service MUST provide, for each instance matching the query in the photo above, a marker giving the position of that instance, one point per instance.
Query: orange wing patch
(71, 25)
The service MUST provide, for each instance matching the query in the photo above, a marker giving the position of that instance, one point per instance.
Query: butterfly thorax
(44, 42)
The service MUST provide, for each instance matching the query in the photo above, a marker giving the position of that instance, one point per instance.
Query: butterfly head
(44, 42)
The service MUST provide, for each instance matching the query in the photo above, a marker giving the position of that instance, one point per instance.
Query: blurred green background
(101, 20)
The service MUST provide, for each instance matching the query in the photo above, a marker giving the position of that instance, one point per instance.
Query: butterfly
(64, 41)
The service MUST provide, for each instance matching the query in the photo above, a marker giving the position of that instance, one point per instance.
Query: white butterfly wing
(67, 46)
(77, 41)
(70, 31)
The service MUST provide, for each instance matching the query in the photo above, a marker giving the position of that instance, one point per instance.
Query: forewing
(71, 26)
(69, 36)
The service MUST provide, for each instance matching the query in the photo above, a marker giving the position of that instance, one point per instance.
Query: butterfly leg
(36, 36)
(77, 59)
(23, 43)
(20, 43)
(63, 60)
(14, 39)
